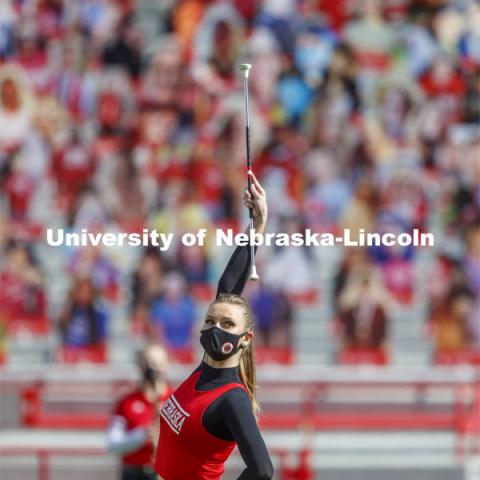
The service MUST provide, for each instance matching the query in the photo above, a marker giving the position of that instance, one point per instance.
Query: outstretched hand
(256, 199)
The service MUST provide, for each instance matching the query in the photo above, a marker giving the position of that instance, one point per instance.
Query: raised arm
(236, 273)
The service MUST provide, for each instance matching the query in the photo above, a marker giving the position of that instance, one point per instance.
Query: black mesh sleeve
(236, 273)
(230, 417)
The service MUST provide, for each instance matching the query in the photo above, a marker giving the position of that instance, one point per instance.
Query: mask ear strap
(243, 334)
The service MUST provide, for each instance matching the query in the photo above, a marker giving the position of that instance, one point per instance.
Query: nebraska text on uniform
(174, 414)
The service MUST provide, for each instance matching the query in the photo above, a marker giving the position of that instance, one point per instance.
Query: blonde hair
(247, 359)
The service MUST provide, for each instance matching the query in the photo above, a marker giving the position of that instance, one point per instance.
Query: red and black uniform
(210, 413)
(187, 449)
(202, 422)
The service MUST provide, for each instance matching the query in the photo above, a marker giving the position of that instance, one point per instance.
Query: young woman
(215, 408)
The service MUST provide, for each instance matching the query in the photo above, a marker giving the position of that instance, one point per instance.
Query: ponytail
(247, 358)
(248, 376)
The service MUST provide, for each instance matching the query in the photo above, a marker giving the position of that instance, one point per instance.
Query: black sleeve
(231, 417)
(236, 273)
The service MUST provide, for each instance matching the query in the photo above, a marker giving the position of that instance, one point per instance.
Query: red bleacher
(469, 356)
(184, 356)
(35, 325)
(202, 292)
(26, 230)
(307, 297)
(83, 354)
(277, 355)
(362, 357)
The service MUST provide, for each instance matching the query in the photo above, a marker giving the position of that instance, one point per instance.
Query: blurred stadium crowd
(117, 115)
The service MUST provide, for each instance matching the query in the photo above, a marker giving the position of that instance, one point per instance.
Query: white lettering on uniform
(174, 414)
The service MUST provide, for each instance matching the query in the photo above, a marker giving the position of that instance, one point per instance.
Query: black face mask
(218, 343)
(151, 375)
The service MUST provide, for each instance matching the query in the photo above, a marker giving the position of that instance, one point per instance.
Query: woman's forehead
(226, 310)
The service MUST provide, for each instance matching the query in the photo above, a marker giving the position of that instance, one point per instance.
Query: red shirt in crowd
(209, 179)
(138, 411)
(453, 86)
(19, 300)
(73, 167)
(19, 188)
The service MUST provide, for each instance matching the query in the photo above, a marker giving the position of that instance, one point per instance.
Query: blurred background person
(16, 108)
(22, 293)
(147, 285)
(274, 316)
(134, 424)
(362, 311)
(451, 322)
(83, 322)
(173, 314)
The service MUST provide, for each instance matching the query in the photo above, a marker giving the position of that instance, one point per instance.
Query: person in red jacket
(133, 427)
(215, 408)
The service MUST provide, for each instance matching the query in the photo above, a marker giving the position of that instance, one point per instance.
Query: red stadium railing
(33, 413)
(300, 471)
(461, 416)
(44, 455)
